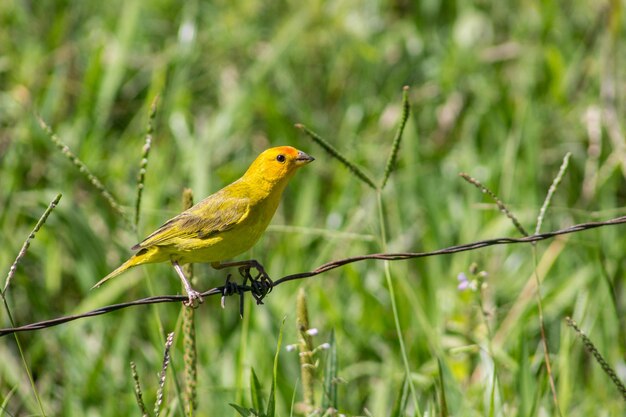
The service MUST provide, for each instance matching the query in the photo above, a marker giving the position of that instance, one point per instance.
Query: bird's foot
(194, 298)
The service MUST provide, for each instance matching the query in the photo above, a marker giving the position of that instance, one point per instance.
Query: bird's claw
(194, 299)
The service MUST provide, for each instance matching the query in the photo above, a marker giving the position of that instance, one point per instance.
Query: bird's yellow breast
(227, 244)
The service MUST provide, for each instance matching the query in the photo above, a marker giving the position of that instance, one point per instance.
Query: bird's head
(277, 164)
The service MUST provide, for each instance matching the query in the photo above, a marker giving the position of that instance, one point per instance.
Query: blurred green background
(500, 90)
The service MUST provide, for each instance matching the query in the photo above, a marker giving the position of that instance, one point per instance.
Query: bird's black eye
(280, 158)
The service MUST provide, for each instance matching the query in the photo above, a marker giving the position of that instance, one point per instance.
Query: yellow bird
(224, 224)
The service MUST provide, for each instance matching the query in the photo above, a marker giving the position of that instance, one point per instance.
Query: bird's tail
(133, 261)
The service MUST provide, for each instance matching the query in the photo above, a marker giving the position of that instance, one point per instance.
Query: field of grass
(502, 91)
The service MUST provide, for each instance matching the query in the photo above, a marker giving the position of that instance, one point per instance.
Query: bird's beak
(303, 159)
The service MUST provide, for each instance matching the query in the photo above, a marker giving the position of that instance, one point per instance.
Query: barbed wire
(241, 289)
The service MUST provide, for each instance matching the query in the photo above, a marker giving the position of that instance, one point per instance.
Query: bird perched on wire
(224, 224)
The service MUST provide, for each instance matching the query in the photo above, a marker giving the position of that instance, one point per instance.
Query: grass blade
(255, 391)
(492, 394)
(401, 400)
(243, 412)
(443, 403)
(271, 403)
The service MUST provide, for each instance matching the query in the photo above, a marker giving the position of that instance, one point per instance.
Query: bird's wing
(213, 215)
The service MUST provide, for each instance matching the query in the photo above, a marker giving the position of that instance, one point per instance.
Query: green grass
(499, 90)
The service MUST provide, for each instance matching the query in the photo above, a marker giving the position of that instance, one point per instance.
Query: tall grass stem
(305, 346)
(544, 342)
(10, 275)
(329, 400)
(189, 334)
(394, 307)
